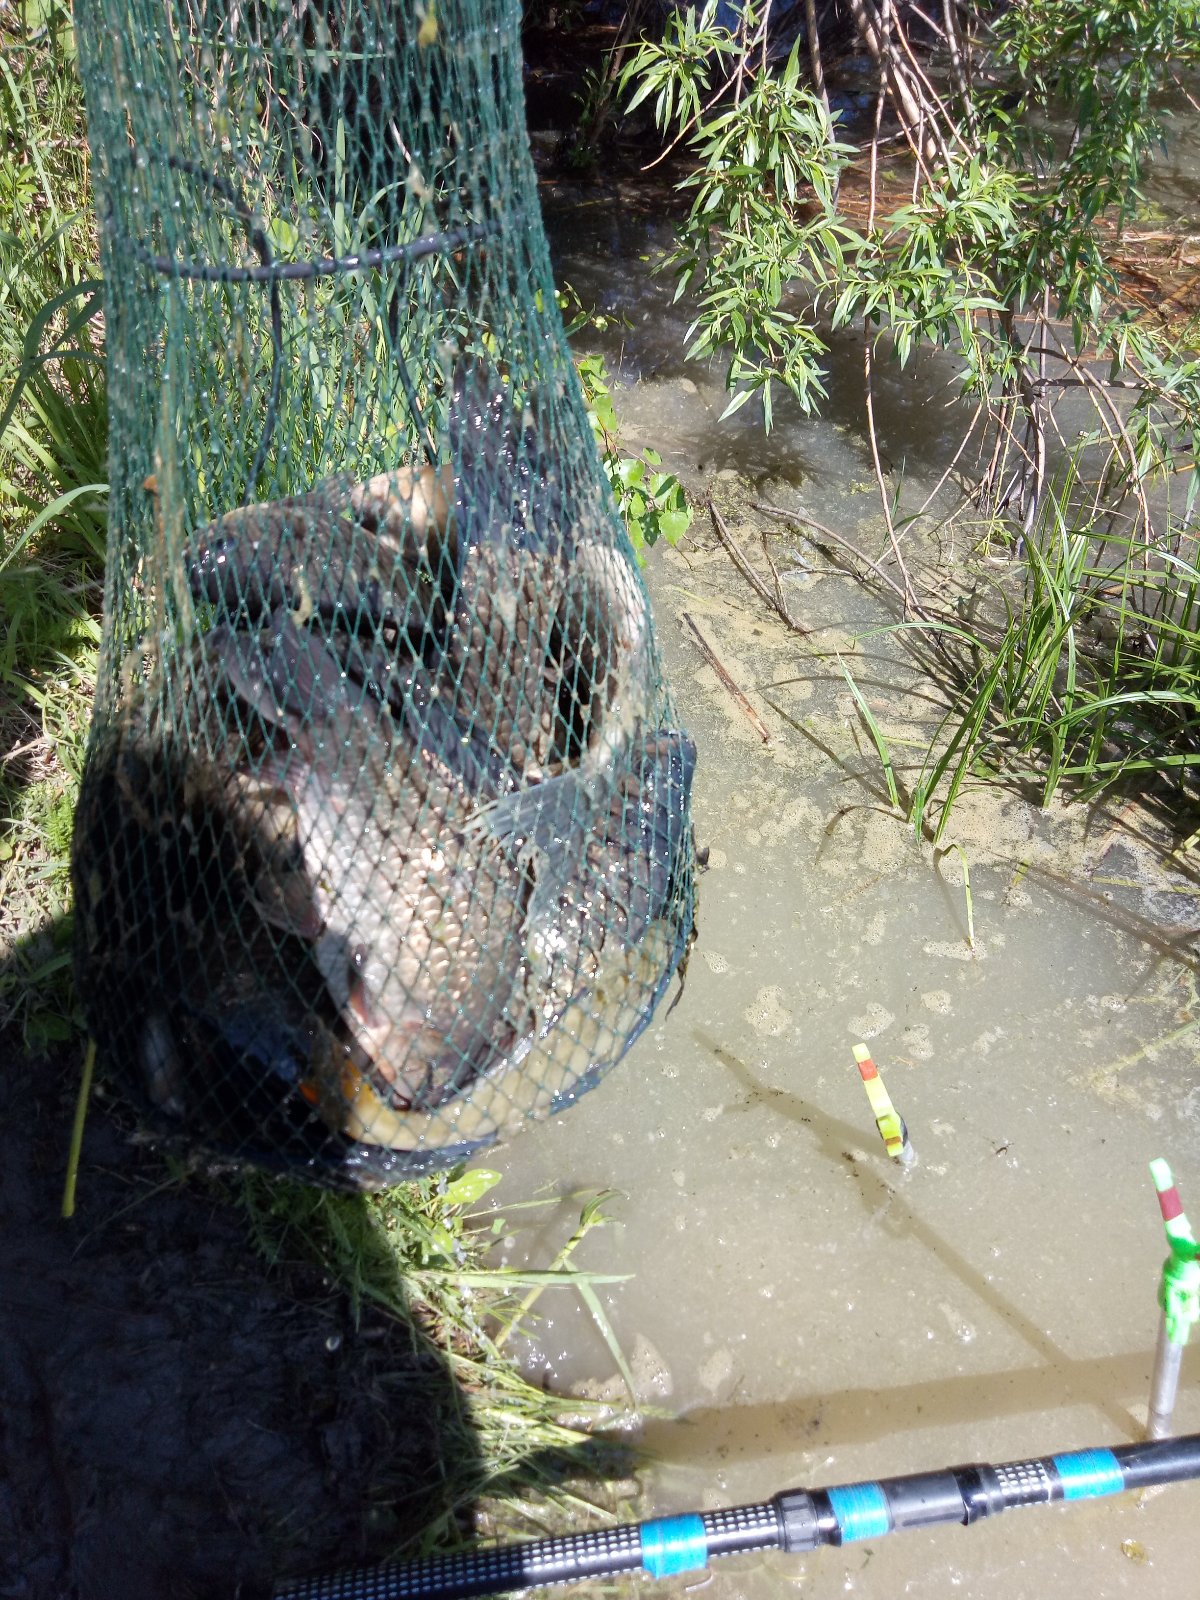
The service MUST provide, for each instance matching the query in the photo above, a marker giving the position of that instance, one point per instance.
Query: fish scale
(498, 663)
(419, 980)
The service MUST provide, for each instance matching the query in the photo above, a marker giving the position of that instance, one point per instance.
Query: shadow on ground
(177, 1420)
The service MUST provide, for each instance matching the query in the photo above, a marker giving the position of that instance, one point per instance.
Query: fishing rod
(795, 1521)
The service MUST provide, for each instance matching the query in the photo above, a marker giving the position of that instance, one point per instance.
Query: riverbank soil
(177, 1421)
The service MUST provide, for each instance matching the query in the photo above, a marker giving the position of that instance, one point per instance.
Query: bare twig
(764, 31)
(875, 30)
(1029, 398)
(801, 519)
(954, 460)
(910, 600)
(775, 601)
(1099, 383)
(747, 42)
(1103, 402)
(1185, 91)
(816, 67)
(715, 662)
(778, 582)
(929, 98)
(951, 34)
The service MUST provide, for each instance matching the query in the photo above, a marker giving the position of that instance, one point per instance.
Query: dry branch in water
(801, 519)
(776, 600)
(722, 672)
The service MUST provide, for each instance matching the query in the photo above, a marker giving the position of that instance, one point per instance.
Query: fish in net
(383, 848)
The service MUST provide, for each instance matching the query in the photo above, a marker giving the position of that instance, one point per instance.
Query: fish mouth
(424, 731)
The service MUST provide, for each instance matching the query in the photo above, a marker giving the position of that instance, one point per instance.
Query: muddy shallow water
(801, 1310)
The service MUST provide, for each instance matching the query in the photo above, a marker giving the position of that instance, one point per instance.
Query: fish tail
(550, 817)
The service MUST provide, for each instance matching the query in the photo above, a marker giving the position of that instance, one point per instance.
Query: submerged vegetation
(978, 203)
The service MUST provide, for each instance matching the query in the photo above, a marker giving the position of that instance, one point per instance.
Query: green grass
(1078, 673)
(52, 511)
(46, 230)
(421, 1254)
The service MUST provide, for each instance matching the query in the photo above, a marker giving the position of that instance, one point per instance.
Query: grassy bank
(52, 519)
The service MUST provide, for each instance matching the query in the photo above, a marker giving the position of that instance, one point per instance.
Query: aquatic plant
(1085, 674)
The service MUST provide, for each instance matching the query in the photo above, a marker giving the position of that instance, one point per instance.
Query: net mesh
(383, 848)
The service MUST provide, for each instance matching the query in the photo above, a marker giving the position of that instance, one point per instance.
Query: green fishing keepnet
(383, 849)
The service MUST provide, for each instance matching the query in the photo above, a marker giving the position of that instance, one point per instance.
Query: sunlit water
(799, 1309)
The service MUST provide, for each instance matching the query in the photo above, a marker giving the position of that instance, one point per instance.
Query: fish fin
(464, 751)
(503, 458)
(647, 807)
(550, 817)
(253, 1073)
(284, 900)
(286, 674)
(640, 818)
(546, 829)
(162, 1070)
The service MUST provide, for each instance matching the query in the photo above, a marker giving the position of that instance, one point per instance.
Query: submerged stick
(802, 520)
(776, 600)
(775, 578)
(714, 661)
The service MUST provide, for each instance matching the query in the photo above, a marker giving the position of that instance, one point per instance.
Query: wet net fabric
(383, 848)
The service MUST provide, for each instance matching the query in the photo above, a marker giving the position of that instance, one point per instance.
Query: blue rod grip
(1088, 1474)
(674, 1544)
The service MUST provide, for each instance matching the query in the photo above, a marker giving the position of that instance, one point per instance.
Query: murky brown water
(801, 1310)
